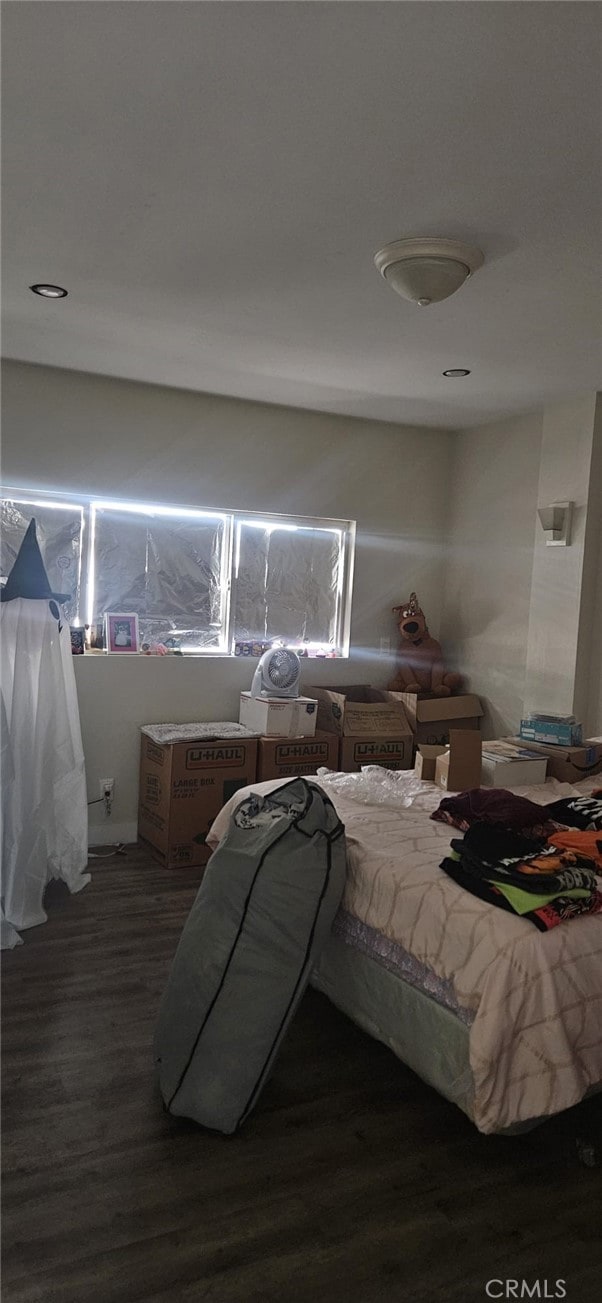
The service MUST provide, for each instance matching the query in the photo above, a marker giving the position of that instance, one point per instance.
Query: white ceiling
(210, 181)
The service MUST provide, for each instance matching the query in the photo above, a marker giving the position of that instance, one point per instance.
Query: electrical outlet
(385, 644)
(107, 788)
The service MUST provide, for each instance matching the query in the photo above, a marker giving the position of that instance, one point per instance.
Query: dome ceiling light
(428, 270)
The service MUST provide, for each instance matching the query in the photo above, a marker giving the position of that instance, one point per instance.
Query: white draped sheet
(44, 803)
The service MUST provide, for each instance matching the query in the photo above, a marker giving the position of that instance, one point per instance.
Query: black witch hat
(28, 576)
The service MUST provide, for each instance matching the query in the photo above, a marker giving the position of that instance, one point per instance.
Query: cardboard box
(459, 768)
(431, 718)
(278, 716)
(284, 757)
(553, 731)
(371, 724)
(360, 711)
(426, 760)
(568, 764)
(183, 786)
(508, 764)
(389, 752)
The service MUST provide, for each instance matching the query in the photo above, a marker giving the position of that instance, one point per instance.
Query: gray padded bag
(262, 914)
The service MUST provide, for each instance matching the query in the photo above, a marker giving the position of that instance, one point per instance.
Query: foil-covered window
(168, 568)
(200, 581)
(288, 583)
(59, 529)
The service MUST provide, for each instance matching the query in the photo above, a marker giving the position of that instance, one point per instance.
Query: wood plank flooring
(351, 1181)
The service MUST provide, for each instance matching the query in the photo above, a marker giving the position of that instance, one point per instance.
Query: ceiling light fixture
(50, 291)
(456, 372)
(427, 270)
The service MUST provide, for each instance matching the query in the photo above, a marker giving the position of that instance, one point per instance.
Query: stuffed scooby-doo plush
(420, 665)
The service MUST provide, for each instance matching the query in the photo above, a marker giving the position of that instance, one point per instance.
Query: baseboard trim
(109, 833)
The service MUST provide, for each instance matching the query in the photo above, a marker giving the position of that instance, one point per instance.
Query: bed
(501, 1019)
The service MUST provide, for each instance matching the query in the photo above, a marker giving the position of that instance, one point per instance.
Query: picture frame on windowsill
(78, 645)
(121, 633)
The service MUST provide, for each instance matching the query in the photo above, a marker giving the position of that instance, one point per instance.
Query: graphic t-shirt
(578, 811)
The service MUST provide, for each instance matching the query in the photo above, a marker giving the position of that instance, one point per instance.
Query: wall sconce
(556, 523)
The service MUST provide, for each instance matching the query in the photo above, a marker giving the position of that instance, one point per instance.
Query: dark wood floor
(352, 1180)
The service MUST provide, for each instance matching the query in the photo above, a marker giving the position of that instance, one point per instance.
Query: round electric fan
(277, 674)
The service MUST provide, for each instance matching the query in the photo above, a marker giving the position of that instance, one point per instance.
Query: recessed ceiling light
(50, 291)
(456, 373)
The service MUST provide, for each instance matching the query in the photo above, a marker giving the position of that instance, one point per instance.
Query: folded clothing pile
(543, 883)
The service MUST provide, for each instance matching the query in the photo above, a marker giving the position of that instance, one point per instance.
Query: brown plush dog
(420, 665)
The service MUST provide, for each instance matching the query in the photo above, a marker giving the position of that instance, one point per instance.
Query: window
(167, 565)
(60, 527)
(206, 582)
(288, 580)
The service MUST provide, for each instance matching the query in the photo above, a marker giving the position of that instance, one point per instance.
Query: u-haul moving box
(389, 752)
(370, 723)
(284, 757)
(183, 785)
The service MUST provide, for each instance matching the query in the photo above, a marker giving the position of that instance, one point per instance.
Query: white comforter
(536, 1038)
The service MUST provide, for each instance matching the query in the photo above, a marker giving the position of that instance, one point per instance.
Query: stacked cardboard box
(568, 764)
(278, 716)
(370, 724)
(286, 757)
(187, 773)
(431, 718)
(512, 764)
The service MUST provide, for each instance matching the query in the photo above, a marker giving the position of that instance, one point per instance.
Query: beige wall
(557, 616)
(493, 495)
(521, 619)
(594, 706)
(68, 430)
(594, 584)
(451, 515)
(588, 676)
